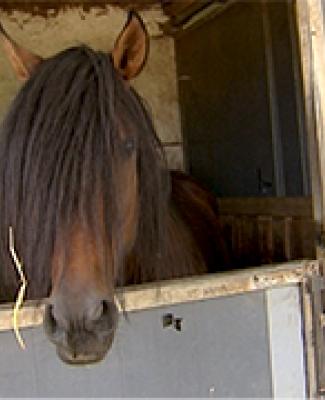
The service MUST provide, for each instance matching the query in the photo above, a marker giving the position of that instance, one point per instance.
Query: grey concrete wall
(99, 27)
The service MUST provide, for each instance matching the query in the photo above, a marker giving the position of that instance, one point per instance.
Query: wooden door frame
(310, 21)
(311, 33)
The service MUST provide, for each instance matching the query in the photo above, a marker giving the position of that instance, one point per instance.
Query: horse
(84, 186)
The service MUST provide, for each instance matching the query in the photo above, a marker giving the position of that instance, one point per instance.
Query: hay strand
(22, 289)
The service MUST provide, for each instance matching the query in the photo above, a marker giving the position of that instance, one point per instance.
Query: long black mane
(58, 143)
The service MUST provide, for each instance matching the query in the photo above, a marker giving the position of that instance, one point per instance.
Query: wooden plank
(265, 239)
(184, 290)
(310, 24)
(288, 238)
(280, 207)
(281, 240)
(174, 8)
(308, 239)
(237, 243)
(302, 239)
(226, 225)
(182, 10)
(299, 100)
(267, 230)
(310, 16)
(249, 249)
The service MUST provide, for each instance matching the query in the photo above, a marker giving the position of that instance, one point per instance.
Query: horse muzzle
(82, 340)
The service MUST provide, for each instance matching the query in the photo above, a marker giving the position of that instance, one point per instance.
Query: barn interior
(223, 83)
(224, 86)
(243, 126)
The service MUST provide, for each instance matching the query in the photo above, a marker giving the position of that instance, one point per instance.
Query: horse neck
(183, 256)
(180, 258)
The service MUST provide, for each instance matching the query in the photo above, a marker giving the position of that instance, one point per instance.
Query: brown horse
(85, 187)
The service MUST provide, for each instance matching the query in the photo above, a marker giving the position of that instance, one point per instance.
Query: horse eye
(129, 146)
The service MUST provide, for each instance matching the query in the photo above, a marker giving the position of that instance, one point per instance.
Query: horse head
(79, 162)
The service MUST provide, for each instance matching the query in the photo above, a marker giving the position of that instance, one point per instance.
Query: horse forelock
(59, 141)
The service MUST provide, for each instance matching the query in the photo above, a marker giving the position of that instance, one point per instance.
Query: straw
(22, 290)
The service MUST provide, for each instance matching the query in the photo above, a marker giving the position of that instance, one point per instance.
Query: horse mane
(56, 152)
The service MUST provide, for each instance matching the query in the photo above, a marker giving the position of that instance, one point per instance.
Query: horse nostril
(51, 327)
(105, 316)
(107, 306)
(101, 310)
(97, 311)
(49, 320)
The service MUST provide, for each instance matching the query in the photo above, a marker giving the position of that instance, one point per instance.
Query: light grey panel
(221, 351)
(286, 342)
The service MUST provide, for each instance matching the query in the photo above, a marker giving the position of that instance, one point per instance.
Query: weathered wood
(288, 237)
(265, 239)
(281, 239)
(267, 230)
(184, 290)
(276, 207)
(181, 10)
(310, 23)
(299, 100)
(173, 8)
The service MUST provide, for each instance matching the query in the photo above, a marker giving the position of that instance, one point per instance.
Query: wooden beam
(174, 8)
(310, 24)
(58, 3)
(41, 7)
(181, 11)
(266, 206)
(310, 16)
(176, 291)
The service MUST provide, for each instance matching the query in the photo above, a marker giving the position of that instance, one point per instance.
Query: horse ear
(22, 60)
(131, 47)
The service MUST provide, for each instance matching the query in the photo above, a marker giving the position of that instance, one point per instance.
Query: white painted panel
(286, 342)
